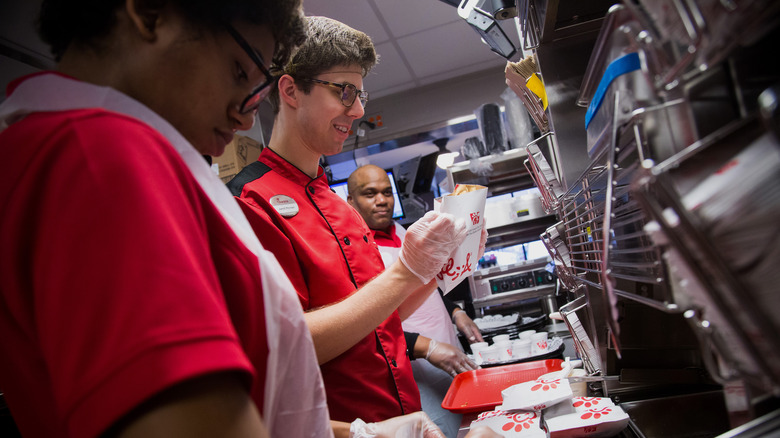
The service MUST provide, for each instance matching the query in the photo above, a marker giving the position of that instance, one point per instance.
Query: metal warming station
(660, 166)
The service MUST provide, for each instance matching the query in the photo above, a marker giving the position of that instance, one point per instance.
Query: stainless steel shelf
(508, 173)
(513, 296)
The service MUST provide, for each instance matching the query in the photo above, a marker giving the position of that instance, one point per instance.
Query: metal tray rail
(529, 23)
(559, 252)
(531, 101)
(543, 175)
(581, 219)
(633, 256)
(727, 24)
(587, 350)
(697, 34)
(674, 27)
(630, 253)
(608, 247)
(602, 223)
(736, 332)
(621, 33)
(718, 315)
(645, 101)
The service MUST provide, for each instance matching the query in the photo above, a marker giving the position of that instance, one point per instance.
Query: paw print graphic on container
(596, 413)
(586, 402)
(519, 421)
(546, 385)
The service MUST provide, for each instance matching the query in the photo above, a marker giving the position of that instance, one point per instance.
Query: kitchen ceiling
(420, 42)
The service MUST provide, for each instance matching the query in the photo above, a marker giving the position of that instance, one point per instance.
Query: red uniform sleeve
(127, 301)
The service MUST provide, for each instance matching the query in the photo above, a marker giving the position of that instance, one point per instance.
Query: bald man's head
(371, 194)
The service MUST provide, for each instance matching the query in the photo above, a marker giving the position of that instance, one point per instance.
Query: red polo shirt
(388, 238)
(328, 252)
(119, 277)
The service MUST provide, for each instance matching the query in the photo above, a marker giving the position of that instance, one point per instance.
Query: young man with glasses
(131, 293)
(353, 308)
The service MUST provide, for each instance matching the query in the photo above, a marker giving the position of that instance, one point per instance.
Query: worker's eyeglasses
(349, 92)
(257, 95)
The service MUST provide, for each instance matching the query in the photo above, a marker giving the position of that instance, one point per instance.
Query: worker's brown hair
(329, 43)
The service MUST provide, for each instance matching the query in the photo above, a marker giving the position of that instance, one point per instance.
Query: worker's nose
(357, 110)
(243, 122)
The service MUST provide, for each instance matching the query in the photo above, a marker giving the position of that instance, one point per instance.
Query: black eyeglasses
(349, 92)
(257, 95)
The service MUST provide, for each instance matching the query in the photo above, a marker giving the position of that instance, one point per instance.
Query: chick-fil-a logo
(596, 413)
(474, 218)
(586, 402)
(454, 272)
(519, 421)
(546, 385)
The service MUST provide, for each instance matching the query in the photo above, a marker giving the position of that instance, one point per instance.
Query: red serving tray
(480, 390)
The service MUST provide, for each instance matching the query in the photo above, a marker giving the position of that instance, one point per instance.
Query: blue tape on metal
(624, 64)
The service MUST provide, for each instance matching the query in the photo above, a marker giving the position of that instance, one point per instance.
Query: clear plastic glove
(482, 432)
(429, 242)
(449, 358)
(482, 241)
(466, 326)
(416, 425)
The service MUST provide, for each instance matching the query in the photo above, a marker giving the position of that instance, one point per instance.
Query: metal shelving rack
(735, 322)
(604, 260)
(623, 223)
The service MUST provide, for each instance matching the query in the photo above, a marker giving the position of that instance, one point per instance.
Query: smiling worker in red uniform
(324, 245)
(136, 301)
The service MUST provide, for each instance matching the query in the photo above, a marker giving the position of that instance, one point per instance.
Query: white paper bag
(511, 424)
(536, 395)
(470, 207)
(592, 423)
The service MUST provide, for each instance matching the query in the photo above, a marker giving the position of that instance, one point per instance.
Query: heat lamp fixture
(487, 27)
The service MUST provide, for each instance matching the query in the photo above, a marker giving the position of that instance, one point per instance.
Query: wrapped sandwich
(466, 202)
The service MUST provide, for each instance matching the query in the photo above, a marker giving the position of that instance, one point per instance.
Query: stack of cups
(526, 334)
(528, 343)
(521, 348)
(504, 346)
(539, 343)
(485, 352)
(477, 347)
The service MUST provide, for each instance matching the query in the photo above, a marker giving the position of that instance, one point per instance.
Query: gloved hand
(482, 432)
(416, 425)
(429, 242)
(482, 241)
(467, 327)
(449, 358)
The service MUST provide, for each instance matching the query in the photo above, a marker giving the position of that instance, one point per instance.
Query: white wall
(430, 107)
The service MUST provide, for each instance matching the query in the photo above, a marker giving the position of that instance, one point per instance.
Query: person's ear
(288, 91)
(145, 16)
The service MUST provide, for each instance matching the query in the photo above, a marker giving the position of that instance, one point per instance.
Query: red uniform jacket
(328, 252)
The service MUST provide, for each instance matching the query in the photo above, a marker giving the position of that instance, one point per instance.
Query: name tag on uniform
(284, 205)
